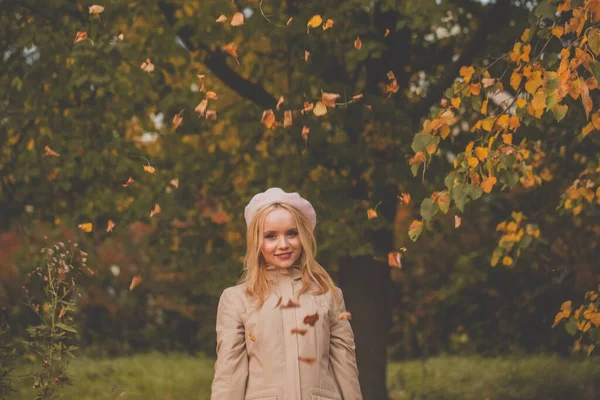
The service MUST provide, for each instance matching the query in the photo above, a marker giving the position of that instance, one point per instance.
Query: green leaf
(595, 67)
(459, 196)
(474, 192)
(545, 10)
(415, 231)
(428, 209)
(512, 178)
(559, 111)
(65, 327)
(449, 180)
(420, 142)
(415, 169)
(594, 40)
(571, 326)
(476, 103)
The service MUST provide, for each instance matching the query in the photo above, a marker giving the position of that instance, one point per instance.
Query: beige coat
(258, 355)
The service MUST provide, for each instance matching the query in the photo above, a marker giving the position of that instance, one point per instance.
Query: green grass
(178, 376)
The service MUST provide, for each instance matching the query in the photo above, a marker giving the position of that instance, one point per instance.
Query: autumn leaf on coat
(231, 49)
(155, 210)
(110, 225)
(50, 153)
(86, 227)
(95, 9)
(308, 360)
(80, 36)
(345, 316)
(311, 319)
(147, 66)
(290, 304)
(237, 19)
(135, 282)
(298, 331)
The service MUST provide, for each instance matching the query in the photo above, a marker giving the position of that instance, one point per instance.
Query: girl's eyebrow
(289, 230)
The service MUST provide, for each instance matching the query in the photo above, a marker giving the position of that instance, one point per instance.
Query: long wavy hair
(255, 277)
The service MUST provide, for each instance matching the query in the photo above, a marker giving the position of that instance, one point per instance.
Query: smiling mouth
(284, 254)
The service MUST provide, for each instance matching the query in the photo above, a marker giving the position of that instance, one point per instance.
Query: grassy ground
(177, 376)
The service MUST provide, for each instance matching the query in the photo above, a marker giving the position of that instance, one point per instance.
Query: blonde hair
(257, 285)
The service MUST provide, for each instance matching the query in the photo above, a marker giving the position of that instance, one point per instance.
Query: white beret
(276, 195)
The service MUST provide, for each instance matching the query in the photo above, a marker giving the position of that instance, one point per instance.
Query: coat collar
(283, 274)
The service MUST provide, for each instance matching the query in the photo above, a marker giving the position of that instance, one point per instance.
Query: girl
(283, 331)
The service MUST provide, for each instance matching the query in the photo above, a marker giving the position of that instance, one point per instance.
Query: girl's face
(281, 244)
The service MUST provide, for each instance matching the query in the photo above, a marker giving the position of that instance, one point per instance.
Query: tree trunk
(365, 283)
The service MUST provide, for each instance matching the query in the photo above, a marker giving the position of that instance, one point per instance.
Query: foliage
(537, 134)
(7, 360)
(55, 336)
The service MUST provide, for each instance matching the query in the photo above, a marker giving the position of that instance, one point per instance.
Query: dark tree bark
(365, 283)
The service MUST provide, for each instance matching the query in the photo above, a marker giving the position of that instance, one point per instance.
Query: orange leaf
(513, 122)
(110, 225)
(482, 153)
(237, 19)
(345, 316)
(308, 360)
(507, 138)
(475, 89)
(201, 108)
(404, 198)
(177, 120)
(521, 102)
(155, 211)
(371, 213)
(231, 49)
(311, 319)
(147, 66)
(328, 24)
(586, 99)
(135, 282)
(222, 18)
(329, 98)
(558, 31)
(395, 259)
(587, 129)
(525, 53)
(287, 118)
(50, 153)
(268, 119)
(129, 182)
(387, 32)
(515, 80)
(80, 36)
(357, 43)
(488, 183)
(534, 81)
(466, 73)
(484, 107)
(86, 227)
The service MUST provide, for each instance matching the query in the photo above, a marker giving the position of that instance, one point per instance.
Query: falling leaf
(371, 213)
(314, 22)
(147, 66)
(287, 118)
(395, 259)
(328, 24)
(290, 304)
(129, 182)
(299, 331)
(232, 50)
(357, 43)
(237, 19)
(289, 21)
(149, 168)
(50, 153)
(155, 211)
(320, 109)
(457, 221)
(110, 226)
(211, 115)
(135, 282)
(279, 103)
(311, 319)
(306, 55)
(308, 360)
(201, 108)
(121, 36)
(347, 316)
(222, 18)
(211, 96)
(252, 337)
(80, 36)
(387, 32)
(175, 182)
(177, 120)
(86, 227)
(268, 119)
(95, 9)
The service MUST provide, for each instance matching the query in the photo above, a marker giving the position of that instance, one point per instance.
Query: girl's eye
(293, 233)
(270, 236)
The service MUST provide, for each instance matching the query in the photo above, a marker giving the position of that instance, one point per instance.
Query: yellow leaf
(482, 153)
(525, 35)
(268, 119)
(148, 168)
(237, 19)
(475, 89)
(538, 103)
(455, 101)
(488, 183)
(86, 227)
(469, 147)
(586, 99)
(487, 124)
(507, 138)
(534, 81)
(484, 107)
(507, 260)
(328, 24)
(315, 21)
(371, 213)
(444, 131)
(466, 73)
(591, 348)
(513, 122)
(521, 102)
(472, 161)
(587, 129)
(502, 121)
(525, 53)
(320, 109)
(31, 144)
(515, 80)
(558, 31)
